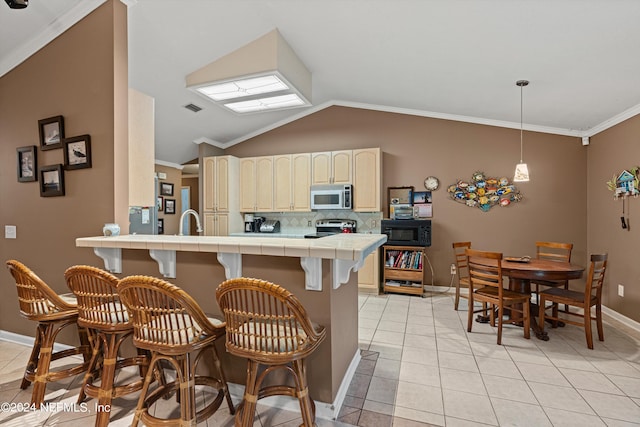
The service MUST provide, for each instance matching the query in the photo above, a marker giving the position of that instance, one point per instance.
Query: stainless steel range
(328, 227)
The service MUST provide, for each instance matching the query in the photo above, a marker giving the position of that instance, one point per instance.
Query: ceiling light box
(264, 75)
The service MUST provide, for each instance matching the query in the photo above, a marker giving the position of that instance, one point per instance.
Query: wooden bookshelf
(403, 269)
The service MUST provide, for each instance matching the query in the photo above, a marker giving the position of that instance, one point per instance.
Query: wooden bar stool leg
(96, 351)
(44, 361)
(223, 380)
(148, 379)
(247, 414)
(307, 407)
(187, 383)
(106, 380)
(34, 358)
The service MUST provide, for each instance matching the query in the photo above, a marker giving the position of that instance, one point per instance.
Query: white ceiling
(440, 58)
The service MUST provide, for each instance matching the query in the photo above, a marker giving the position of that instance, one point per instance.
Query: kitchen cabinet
(403, 269)
(368, 275)
(220, 196)
(256, 184)
(367, 182)
(291, 182)
(331, 167)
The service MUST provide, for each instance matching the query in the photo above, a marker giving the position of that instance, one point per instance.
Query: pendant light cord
(521, 86)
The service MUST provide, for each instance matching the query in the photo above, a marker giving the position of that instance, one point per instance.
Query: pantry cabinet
(256, 184)
(331, 167)
(220, 196)
(291, 182)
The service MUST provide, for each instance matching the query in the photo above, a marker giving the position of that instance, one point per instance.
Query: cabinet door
(341, 167)
(368, 273)
(247, 184)
(282, 183)
(366, 180)
(222, 184)
(222, 225)
(264, 184)
(301, 182)
(208, 184)
(321, 168)
(209, 219)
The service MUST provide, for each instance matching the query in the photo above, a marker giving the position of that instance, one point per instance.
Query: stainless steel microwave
(407, 232)
(331, 196)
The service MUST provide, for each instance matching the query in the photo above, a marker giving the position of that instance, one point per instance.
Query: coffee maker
(248, 223)
(257, 222)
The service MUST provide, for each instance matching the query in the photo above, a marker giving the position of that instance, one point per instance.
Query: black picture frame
(77, 152)
(169, 206)
(51, 180)
(27, 163)
(160, 225)
(166, 189)
(51, 132)
(160, 203)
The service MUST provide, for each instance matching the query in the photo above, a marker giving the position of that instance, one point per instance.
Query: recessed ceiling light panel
(243, 88)
(271, 103)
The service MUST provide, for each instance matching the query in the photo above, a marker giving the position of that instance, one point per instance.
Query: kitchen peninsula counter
(320, 272)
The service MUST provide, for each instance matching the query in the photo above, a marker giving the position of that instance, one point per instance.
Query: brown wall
(174, 176)
(554, 205)
(73, 76)
(608, 154)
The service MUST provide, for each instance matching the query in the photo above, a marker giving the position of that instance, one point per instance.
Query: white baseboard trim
(621, 318)
(27, 340)
(327, 411)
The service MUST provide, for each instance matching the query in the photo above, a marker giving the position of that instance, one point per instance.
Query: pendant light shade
(522, 171)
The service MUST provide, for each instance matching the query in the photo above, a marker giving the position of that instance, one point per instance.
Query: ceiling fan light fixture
(522, 171)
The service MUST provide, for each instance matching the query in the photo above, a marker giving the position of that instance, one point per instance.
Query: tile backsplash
(305, 222)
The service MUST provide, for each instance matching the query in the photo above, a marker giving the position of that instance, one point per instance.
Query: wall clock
(431, 183)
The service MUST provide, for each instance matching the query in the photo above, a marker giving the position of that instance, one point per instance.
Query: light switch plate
(9, 231)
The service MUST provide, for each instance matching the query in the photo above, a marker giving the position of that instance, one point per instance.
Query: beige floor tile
(593, 381)
(553, 396)
(509, 389)
(468, 406)
(461, 362)
(403, 416)
(419, 397)
(499, 367)
(612, 406)
(542, 374)
(420, 374)
(471, 382)
(510, 413)
(560, 417)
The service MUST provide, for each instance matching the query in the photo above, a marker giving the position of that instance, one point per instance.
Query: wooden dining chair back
(462, 269)
(100, 310)
(168, 322)
(485, 275)
(592, 296)
(552, 251)
(268, 325)
(52, 312)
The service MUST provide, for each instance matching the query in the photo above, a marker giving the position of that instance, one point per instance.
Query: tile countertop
(343, 246)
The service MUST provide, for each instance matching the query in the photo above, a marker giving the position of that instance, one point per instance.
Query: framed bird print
(77, 152)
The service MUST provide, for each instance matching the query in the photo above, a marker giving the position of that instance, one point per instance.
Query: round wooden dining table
(521, 272)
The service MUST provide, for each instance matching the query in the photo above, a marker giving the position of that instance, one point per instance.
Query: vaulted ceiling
(440, 58)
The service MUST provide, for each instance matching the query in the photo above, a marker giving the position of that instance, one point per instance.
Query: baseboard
(327, 411)
(27, 340)
(621, 318)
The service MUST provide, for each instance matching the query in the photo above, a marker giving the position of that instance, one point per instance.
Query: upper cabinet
(256, 184)
(331, 167)
(367, 182)
(291, 182)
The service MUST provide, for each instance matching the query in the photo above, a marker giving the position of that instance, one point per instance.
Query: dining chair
(592, 296)
(485, 275)
(462, 273)
(268, 325)
(102, 313)
(53, 313)
(552, 251)
(171, 325)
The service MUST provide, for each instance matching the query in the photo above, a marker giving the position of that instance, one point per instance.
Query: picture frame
(160, 203)
(27, 163)
(169, 206)
(77, 152)
(166, 189)
(160, 225)
(51, 180)
(51, 132)
(421, 197)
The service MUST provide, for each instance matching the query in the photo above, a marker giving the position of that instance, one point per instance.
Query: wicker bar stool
(100, 310)
(268, 325)
(169, 322)
(52, 312)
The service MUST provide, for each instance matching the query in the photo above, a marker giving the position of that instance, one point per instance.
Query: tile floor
(420, 367)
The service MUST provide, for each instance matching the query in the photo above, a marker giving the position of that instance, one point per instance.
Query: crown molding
(205, 140)
(617, 119)
(169, 164)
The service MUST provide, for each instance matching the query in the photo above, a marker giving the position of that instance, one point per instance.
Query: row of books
(404, 259)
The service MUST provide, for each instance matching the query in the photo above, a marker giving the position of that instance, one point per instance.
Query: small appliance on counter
(403, 212)
(270, 226)
(329, 227)
(248, 223)
(257, 223)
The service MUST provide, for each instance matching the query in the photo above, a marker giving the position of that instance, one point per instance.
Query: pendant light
(522, 171)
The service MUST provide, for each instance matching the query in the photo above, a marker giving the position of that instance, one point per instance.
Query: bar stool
(169, 322)
(268, 325)
(52, 312)
(100, 310)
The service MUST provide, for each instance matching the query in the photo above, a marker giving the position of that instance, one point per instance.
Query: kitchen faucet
(195, 214)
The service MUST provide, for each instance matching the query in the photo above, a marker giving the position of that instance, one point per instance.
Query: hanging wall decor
(626, 183)
(484, 193)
